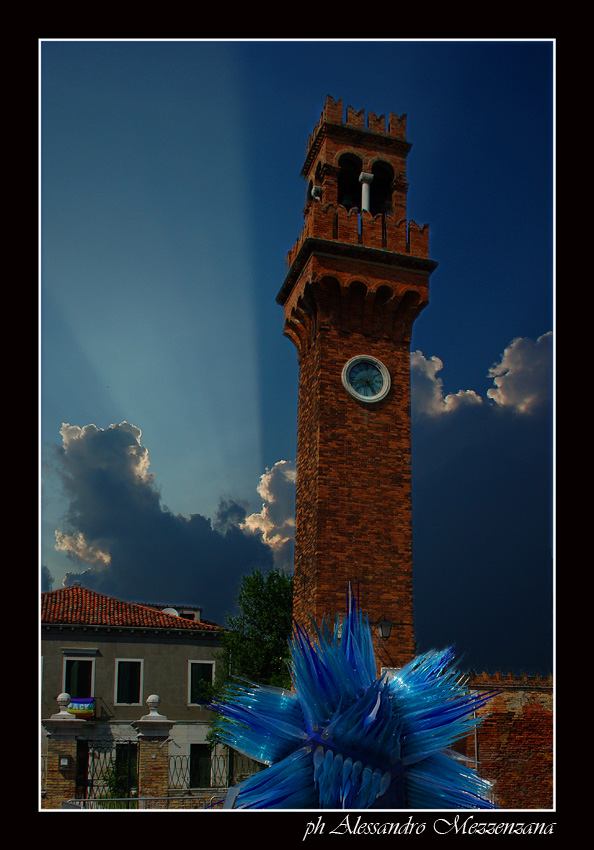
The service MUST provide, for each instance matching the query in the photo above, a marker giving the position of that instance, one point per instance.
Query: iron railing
(108, 774)
(204, 802)
(225, 769)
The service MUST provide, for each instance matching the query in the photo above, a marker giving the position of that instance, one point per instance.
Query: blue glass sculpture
(345, 739)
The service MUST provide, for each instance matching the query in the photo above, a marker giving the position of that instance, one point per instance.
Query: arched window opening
(349, 188)
(314, 187)
(381, 188)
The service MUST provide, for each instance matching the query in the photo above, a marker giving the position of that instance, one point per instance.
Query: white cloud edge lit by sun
(522, 380)
(523, 376)
(521, 383)
(276, 519)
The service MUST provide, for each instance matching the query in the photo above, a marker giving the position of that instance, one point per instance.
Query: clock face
(366, 378)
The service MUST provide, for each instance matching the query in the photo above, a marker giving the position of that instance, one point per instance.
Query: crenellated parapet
(333, 113)
(355, 204)
(357, 278)
(383, 232)
(501, 680)
(359, 233)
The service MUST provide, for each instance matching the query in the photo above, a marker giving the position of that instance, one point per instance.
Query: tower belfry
(358, 277)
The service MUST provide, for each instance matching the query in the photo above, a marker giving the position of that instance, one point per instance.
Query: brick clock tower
(358, 277)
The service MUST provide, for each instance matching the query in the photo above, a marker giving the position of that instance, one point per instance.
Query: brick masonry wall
(153, 767)
(60, 782)
(515, 740)
(353, 479)
(353, 512)
(353, 507)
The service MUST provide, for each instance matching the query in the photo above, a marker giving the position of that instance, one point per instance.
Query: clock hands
(366, 378)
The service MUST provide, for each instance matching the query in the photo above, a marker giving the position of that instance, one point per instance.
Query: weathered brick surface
(515, 739)
(354, 288)
(356, 283)
(60, 781)
(153, 766)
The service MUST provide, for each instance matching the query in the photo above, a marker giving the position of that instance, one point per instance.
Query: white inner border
(384, 372)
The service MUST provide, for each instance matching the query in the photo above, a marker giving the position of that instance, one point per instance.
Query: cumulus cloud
(125, 543)
(47, 580)
(230, 514)
(77, 548)
(121, 442)
(275, 522)
(522, 378)
(470, 468)
(428, 397)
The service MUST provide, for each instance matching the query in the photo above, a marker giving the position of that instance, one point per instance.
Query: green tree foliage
(256, 644)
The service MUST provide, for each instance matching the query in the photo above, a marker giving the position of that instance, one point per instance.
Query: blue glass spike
(307, 680)
(385, 783)
(352, 785)
(369, 741)
(376, 783)
(337, 780)
(325, 782)
(357, 644)
(347, 767)
(273, 701)
(261, 736)
(344, 677)
(441, 781)
(356, 773)
(273, 787)
(362, 798)
(373, 713)
(259, 721)
(318, 761)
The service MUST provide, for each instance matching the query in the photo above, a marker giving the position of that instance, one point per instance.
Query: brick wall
(355, 284)
(153, 767)
(515, 740)
(353, 507)
(60, 780)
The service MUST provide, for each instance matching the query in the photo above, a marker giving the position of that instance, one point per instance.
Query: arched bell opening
(314, 187)
(381, 188)
(349, 187)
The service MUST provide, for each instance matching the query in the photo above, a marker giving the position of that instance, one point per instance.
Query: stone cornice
(353, 252)
(140, 630)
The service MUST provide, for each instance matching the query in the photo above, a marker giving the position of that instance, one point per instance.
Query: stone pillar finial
(153, 723)
(153, 731)
(63, 714)
(153, 701)
(63, 701)
(63, 729)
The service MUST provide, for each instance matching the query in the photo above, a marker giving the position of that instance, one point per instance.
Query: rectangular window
(201, 677)
(78, 677)
(200, 766)
(124, 776)
(128, 681)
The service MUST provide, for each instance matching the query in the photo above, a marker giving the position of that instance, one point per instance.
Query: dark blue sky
(171, 193)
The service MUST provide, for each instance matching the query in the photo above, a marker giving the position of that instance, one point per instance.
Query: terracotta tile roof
(77, 605)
